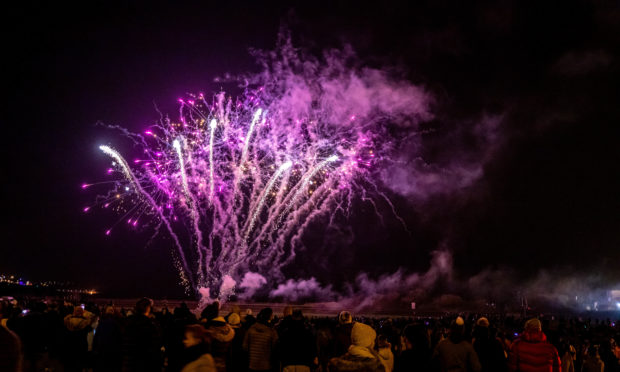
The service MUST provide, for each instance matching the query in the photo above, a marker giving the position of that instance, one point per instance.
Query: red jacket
(532, 353)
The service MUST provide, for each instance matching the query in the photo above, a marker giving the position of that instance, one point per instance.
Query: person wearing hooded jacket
(221, 335)
(78, 324)
(361, 356)
(532, 352)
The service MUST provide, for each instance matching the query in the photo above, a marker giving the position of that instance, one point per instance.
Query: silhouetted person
(342, 333)
(593, 363)
(324, 342)
(78, 324)
(174, 335)
(238, 359)
(34, 332)
(416, 350)
(107, 343)
(489, 349)
(10, 345)
(566, 356)
(260, 342)
(297, 346)
(142, 341)
(211, 311)
(197, 357)
(455, 354)
(221, 335)
(384, 349)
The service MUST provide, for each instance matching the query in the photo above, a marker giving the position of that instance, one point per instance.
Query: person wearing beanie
(235, 309)
(234, 320)
(342, 333)
(345, 317)
(455, 354)
(532, 352)
(209, 312)
(361, 355)
(248, 319)
(483, 322)
(488, 348)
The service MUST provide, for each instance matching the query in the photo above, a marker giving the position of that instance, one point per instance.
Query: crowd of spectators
(52, 336)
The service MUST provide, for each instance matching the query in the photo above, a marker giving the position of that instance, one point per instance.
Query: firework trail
(246, 176)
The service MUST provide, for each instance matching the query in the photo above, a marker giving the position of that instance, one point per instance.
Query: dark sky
(548, 198)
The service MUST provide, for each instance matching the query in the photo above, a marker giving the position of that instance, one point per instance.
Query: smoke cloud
(227, 288)
(250, 284)
(338, 89)
(457, 166)
(440, 288)
(296, 290)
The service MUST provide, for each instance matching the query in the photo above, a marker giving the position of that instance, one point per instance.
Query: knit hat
(345, 317)
(533, 325)
(363, 335)
(483, 322)
(210, 311)
(234, 319)
(265, 315)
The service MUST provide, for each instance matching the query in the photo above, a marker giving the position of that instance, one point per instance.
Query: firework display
(236, 182)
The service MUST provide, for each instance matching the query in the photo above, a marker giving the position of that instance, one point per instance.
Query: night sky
(547, 74)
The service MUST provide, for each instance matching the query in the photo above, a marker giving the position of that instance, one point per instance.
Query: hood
(536, 336)
(223, 333)
(385, 354)
(362, 352)
(356, 360)
(76, 323)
